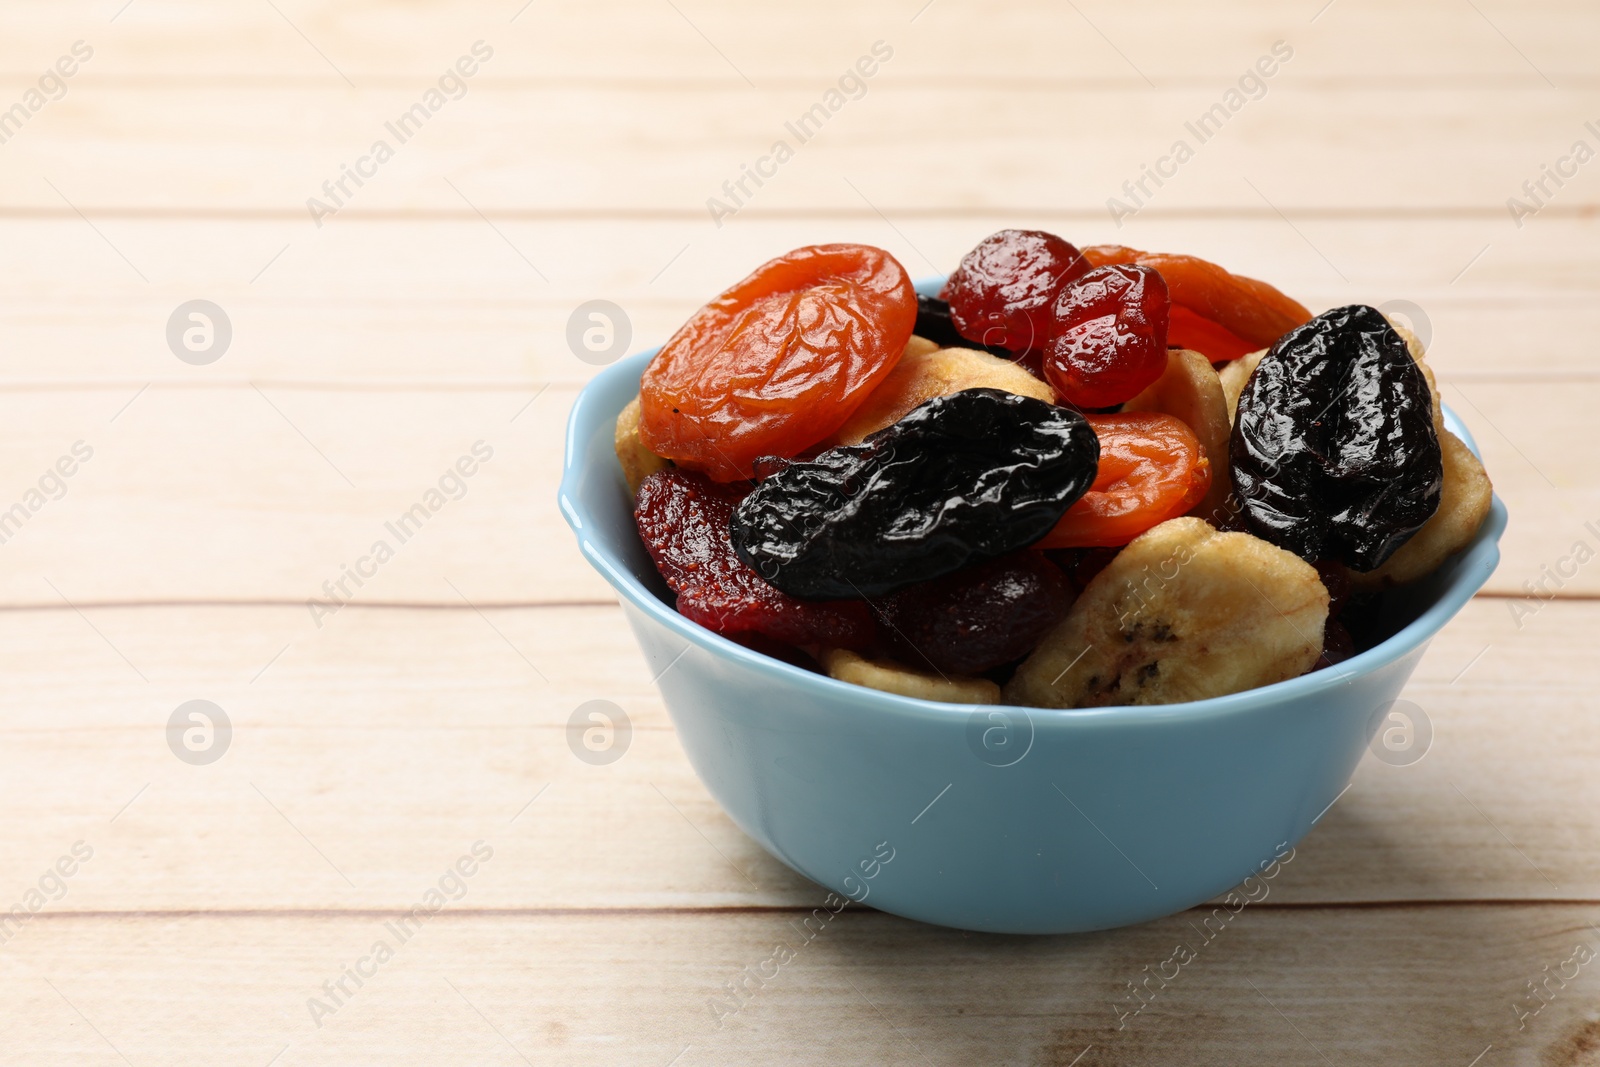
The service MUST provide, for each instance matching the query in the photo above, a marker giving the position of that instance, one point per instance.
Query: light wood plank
(1276, 985)
(394, 302)
(269, 149)
(1363, 40)
(390, 739)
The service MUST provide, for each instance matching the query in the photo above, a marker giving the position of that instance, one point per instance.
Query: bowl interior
(594, 498)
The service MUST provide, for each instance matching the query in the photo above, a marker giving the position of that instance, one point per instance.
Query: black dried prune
(962, 478)
(1334, 452)
(683, 521)
(980, 617)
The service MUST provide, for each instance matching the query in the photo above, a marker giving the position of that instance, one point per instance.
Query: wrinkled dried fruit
(1183, 613)
(960, 479)
(1335, 453)
(1191, 391)
(1464, 502)
(1222, 315)
(1152, 469)
(892, 677)
(978, 618)
(778, 362)
(923, 375)
(637, 461)
(934, 323)
(1337, 645)
(1108, 340)
(683, 521)
(1004, 291)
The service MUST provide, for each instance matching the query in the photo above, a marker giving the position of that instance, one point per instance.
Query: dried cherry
(980, 617)
(1109, 336)
(1334, 451)
(683, 521)
(962, 478)
(934, 323)
(778, 362)
(1004, 291)
(1214, 312)
(1152, 469)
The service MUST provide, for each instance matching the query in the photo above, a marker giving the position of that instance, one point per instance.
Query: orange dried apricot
(778, 362)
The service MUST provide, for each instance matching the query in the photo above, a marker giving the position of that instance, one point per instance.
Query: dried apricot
(1152, 469)
(778, 362)
(1190, 390)
(1225, 315)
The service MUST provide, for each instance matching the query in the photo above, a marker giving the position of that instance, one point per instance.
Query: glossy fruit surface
(962, 478)
(1152, 469)
(1225, 315)
(778, 362)
(683, 521)
(1004, 291)
(1334, 453)
(1109, 336)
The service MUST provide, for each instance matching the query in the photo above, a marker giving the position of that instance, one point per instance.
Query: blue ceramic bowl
(1001, 819)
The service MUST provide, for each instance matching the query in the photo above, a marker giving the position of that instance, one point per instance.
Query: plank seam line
(1376, 213)
(462, 914)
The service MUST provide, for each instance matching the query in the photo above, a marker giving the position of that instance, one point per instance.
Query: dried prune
(683, 521)
(778, 362)
(1334, 451)
(1004, 291)
(978, 618)
(962, 478)
(1108, 339)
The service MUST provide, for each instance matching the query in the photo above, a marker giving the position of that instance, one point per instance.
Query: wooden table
(426, 310)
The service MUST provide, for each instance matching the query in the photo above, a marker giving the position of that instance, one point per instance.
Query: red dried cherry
(1109, 337)
(1003, 293)
(683, 520)
(980, 617)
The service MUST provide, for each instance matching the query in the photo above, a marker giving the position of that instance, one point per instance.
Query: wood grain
(1287, 986)
(372, 352)
(390, 738)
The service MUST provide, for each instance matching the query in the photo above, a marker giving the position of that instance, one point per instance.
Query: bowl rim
(1479, 560)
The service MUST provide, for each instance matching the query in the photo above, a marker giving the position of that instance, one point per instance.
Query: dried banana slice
(1182, 613)
(1463, 506)
(923, 374)
(638, 462)
(893, 677)
(1414, 345)
(1235, 376)
(1190, 390)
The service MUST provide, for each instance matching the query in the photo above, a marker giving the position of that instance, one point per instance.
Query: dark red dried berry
(1004, 291)
(978, 618)
(1336, 577)
(1337, 645)
(1108, 340)
(683, 521)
